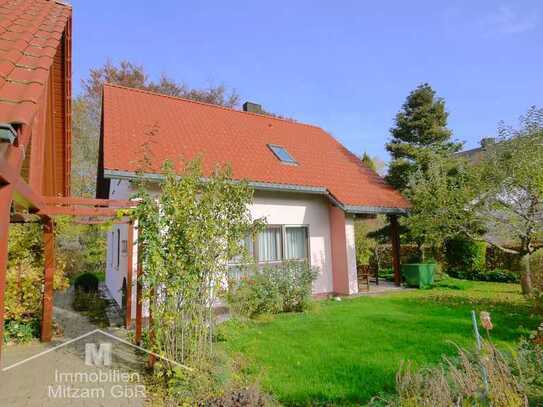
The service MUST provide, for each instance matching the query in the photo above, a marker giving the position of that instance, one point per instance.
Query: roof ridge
(150, 92)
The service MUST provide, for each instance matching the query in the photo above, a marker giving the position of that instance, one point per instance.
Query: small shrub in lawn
(498, 276)
(86, 282)
(285, 287)
(255, 295)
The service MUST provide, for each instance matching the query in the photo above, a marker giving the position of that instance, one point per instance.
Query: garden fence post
(129, 270)
(479, 349)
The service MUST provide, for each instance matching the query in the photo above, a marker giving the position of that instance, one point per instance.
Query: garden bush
(86, 282)
(498, 276)
(23, 297)
(284, 287)
(536, 264)
(513, 379)
(21, 331)
(465, 258)
(256, 295)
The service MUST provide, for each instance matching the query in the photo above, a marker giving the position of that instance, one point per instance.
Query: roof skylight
(282, 154)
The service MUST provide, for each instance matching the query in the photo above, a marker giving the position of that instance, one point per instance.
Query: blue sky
(346, 66)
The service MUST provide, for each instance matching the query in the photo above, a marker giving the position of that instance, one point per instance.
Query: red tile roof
(30, 31)
(187, 128)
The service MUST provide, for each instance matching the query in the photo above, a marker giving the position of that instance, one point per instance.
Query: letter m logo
(98, 357)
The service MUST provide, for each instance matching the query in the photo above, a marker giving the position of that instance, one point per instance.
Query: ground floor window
(277, 243)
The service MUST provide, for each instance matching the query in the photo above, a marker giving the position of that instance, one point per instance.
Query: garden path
(61, 377)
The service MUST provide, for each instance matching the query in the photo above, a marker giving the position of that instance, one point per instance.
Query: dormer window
(282, 154)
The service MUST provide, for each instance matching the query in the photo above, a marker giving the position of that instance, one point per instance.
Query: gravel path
(61, 376)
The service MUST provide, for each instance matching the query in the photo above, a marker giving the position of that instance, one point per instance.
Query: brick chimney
(252, 107)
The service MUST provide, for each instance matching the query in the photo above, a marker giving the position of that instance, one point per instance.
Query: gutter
(270, 186)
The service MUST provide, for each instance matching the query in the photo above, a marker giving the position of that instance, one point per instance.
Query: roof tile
(30, 33)
(187, 129)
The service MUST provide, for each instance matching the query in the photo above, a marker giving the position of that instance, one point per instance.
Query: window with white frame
(277, 243)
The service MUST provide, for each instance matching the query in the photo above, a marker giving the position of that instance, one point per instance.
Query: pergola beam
(78, 211)
(22, 193)
(78, 201)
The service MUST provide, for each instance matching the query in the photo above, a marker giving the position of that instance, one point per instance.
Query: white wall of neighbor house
(117, 250)
(279, 208)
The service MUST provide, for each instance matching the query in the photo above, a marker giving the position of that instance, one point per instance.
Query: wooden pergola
(35, 136)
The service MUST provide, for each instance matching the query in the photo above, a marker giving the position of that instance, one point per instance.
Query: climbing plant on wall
(188, 232)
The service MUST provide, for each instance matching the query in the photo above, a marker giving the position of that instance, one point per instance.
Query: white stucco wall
(279, 208)
(351, 255)
(283, 208)
(114, 275)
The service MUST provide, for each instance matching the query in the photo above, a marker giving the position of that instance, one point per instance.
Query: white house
(307, 185)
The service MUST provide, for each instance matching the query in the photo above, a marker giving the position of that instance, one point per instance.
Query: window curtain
(296, 243)
(269, 245)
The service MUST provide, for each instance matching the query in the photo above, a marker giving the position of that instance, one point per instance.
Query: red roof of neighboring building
(30, 31)
(186, 128)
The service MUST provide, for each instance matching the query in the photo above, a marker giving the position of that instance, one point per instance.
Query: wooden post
(139, 292)
(49, 272)
(152, 358)
(395, 240)
(129, 269)
(5, 206)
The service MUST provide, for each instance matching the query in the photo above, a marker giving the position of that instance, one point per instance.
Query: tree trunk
(526, 275)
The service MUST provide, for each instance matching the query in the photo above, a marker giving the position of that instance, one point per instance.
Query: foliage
(223, 382)
(21, 331)
(23, 297)
(365, 246)
(87, 112)
(536, 266)
(86, 282)
(373, 163)
(188, 233)
(344, 353)
(499, 200)
(441, 198)
(271, 289)
(512, 204)
(420, 133)
(78, 247)
(465, 256)
(460, 381)
(255, 295)
(536, 297)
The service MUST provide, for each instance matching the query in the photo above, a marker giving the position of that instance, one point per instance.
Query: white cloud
(507, 21)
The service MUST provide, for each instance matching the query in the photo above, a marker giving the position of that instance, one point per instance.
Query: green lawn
(346, 352)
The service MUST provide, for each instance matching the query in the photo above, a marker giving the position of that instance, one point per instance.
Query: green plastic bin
(420, 275)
